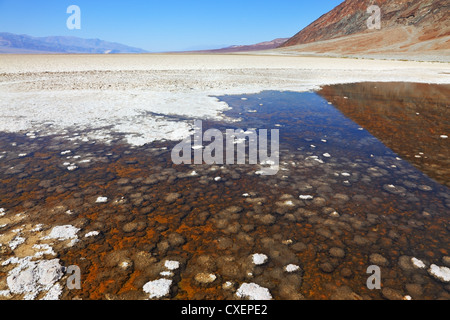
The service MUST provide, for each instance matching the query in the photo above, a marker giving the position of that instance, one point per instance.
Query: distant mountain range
(14, 43)
(267, 45)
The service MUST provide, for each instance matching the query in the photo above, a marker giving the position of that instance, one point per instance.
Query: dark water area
(409, 118)
(342, 201)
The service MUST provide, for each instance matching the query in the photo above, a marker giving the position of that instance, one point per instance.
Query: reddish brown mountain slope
(406, 26)
(351, 16)
(267, 45)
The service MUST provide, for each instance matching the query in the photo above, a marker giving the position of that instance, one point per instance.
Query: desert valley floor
(87, 178)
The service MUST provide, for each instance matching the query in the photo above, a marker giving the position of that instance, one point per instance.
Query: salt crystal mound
(53, 293)
(291, 268)
(91, 234)
(101, 200)
(166, 274)
(63, 233)
(172, 265)
(158, 288)
(418, 263)
(440, 273)
(17, 241)
(252, 291)
(45, 249)
(72, 167)
(31, 278)
(259, 259)
(140, 115)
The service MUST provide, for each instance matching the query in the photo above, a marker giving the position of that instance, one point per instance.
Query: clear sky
(166, 25)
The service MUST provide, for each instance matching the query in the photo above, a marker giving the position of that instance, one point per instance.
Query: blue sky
(166, 25)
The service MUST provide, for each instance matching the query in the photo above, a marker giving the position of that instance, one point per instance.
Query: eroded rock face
(351, 16)
(410, 30)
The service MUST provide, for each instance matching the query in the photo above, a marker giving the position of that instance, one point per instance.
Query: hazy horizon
(169, 26)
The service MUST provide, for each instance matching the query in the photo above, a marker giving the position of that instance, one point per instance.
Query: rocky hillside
(410, 29)
(350, 17)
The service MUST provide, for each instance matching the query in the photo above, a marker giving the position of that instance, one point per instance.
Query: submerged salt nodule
(259, 258)
(171, 265)
(158, 288)
(440, 273)
(101, 200)
(253, 291)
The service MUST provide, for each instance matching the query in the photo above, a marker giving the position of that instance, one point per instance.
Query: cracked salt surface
(33, 277)
(63, 233)
(17, 241)
(5, 293)
(140, 115)
(45, 250)
(54, 293)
